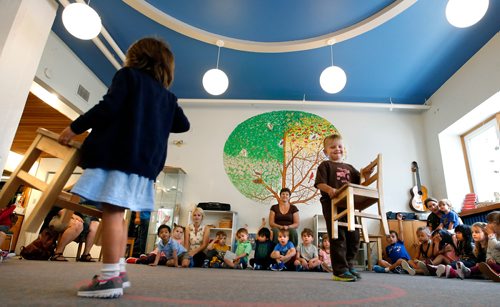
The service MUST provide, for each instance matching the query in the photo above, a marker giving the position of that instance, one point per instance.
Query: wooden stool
(46, 142)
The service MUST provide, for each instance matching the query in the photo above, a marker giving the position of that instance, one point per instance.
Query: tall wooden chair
(46, 143)
(352, 199)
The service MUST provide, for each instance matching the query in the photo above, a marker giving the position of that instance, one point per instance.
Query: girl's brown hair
(153, 56)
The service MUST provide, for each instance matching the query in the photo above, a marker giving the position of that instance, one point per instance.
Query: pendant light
(333, 79)
(81, 21)
(215, 81)
(465, 13)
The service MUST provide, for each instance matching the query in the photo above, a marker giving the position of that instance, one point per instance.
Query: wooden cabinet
(410, 236)
(226, 221)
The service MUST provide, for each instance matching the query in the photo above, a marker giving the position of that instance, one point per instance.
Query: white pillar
(24, 28)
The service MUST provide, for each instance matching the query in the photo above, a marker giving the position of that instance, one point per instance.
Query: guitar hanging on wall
(418, 192)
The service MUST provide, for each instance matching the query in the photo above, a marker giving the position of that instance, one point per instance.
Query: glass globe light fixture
(81, 21)
(215, 81)
(465, 13)
(333, 79)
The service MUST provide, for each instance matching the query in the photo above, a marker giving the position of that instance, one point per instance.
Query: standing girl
(126, 150)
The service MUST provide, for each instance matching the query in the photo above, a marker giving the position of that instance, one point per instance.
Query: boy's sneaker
(379, 269)
(281, 266)
(125, 281)
(346, 276)
(205, 263)
(422, 266)
(489, 272)
(131, 260)
(462, 270)
(441, 270)
(299, 268)
(274, 267)
(398, 270)
(107, 288)
(406, 266)
(355, 273)
(257, 266)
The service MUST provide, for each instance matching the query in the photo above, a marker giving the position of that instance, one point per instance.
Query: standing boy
(331, 175)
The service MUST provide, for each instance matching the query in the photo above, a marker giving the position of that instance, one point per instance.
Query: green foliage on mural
(274, 150)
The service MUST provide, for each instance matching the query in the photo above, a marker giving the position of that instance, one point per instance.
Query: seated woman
(284, 216)
(196, 238)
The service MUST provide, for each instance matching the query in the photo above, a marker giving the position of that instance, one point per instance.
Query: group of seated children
(169, 251)
(465, 252)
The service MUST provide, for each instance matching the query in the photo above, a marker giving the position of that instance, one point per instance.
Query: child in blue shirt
(397, 255)
(173, 251)
(449, 218)
(283, 252)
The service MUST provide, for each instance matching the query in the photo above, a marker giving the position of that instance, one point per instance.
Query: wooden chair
(46, 143)
(352, 199)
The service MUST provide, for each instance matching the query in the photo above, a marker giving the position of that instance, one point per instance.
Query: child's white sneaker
(441, 270)
(406, 266)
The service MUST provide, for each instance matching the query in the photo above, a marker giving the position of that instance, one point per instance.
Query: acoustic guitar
(418, 192)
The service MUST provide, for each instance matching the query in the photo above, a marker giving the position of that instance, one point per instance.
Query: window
(482, 152)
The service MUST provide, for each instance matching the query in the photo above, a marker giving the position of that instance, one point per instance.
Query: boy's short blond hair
(331, 137)
(284, 232)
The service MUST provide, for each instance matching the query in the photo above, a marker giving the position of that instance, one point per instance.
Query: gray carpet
(45, 283)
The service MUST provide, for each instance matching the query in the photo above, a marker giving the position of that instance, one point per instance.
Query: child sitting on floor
(324, 254)
(465, 247)
(307, 258)
(216, 251)
(283, 252)
(424, 253)
(243, 249)
(178, 234)
(264, 246)
(396, 253)
(465, 269)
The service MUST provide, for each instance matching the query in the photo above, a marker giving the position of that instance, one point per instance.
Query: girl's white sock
(123, 264)
(110, 270)
(386, 269)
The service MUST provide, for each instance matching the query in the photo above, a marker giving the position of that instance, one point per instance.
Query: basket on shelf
(225, 223)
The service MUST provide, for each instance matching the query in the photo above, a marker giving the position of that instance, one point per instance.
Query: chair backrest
(376, 175)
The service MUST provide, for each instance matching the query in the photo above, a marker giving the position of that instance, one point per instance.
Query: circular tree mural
(274, 150)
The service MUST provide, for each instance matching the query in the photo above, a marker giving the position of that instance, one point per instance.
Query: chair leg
(351, 225)
(335, 223)
(385, 225)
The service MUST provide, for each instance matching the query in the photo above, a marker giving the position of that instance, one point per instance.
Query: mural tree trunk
(275, 150)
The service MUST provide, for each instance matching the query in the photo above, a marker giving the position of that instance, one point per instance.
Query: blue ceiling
(406, 59)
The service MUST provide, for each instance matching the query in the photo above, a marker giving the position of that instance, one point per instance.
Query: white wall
(461, 103)
(61, 71)
(366, 132)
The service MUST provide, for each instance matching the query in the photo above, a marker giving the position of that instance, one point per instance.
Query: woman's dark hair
(286, 190)
(426, 201)
(465, 246)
